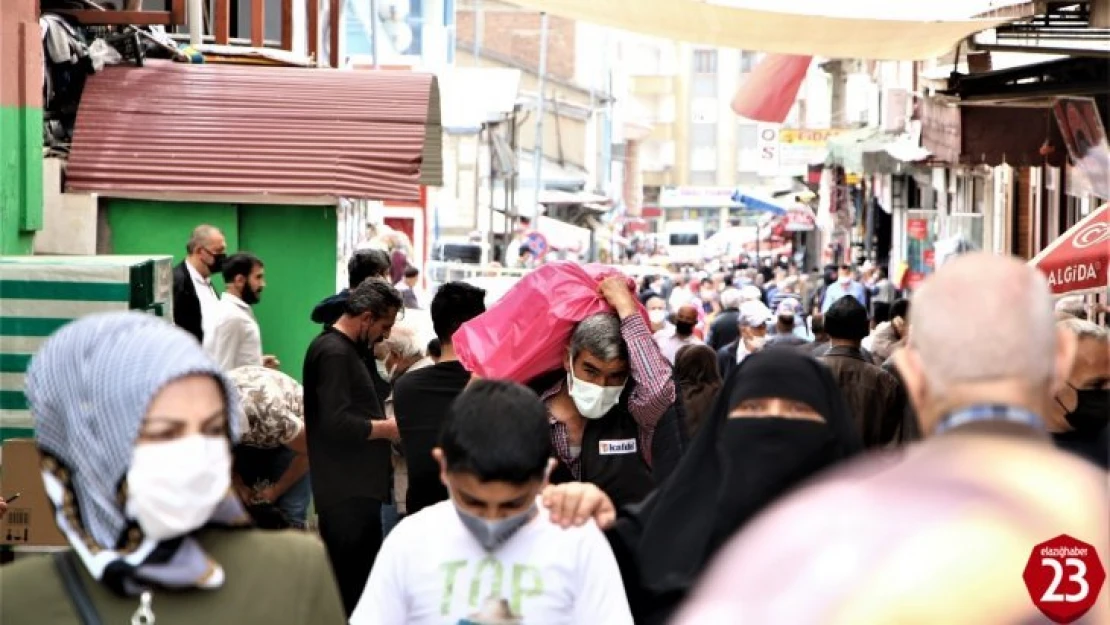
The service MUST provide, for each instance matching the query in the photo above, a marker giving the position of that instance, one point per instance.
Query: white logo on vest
(614, 448)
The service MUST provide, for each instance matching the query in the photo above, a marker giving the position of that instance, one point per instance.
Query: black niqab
(735, 467)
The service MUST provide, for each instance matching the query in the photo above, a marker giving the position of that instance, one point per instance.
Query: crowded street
(543, 312)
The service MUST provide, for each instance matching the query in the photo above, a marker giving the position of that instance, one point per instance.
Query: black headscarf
(735, 467)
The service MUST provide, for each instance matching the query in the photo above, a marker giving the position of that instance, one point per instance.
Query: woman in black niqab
(749, 452)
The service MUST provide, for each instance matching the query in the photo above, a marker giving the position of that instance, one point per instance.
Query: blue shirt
(836, 290)
(989, 412)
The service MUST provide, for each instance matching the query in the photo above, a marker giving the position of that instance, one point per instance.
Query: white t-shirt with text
(431, 571)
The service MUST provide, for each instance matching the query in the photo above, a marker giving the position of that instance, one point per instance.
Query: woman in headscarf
(695, 370)
(779, 419)
(135, 426)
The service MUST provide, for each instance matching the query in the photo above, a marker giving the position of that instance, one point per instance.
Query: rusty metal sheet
(248, 130)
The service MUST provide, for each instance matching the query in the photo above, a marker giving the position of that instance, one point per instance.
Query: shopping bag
(526, 333)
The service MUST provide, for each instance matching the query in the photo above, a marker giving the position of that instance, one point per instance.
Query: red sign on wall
(917, 229)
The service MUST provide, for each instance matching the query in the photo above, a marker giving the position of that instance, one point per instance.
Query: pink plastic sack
(527, 331)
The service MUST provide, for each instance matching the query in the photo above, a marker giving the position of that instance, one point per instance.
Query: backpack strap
(75, 588)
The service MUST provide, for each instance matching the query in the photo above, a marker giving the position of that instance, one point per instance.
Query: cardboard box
(30, 519)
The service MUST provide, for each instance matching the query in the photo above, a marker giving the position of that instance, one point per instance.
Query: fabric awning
(769, 91)
(873, 150)
(714, 25)
(1079, 259)
(169, 130)
(757, 202)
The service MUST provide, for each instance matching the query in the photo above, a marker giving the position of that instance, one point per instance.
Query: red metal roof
(223, 130)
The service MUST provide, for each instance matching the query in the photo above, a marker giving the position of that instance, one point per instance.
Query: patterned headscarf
(89, 388)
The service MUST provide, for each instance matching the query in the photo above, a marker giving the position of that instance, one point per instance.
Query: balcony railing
(176, 16)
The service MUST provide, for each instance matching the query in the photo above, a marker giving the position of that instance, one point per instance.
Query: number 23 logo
(1051, 594)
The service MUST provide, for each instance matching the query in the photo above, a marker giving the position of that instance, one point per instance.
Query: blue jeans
(256, 465)
(390, 518)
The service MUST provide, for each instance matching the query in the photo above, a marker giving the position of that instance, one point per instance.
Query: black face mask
(683, 328)
(1092, 410)
(767, 457)
(217, 263)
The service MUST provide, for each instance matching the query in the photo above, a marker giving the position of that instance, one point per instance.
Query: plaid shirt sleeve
(655, 391)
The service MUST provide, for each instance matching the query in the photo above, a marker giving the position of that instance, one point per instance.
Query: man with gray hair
(1079, 419)
(725, 328)
(996, 366)
(607, 406)
(194, 298)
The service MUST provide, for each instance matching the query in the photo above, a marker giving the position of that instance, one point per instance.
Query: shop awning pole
(196, 23)
(539, 116)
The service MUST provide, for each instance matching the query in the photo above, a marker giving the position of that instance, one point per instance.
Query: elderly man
(194, 298)
(996, 367)
(607, 406)
(1079, 419)
(726, 328)
(752, 322)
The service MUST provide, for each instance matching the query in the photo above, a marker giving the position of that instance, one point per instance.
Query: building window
(705, 61)
(748, 61)
(703, 158)
(703, 111)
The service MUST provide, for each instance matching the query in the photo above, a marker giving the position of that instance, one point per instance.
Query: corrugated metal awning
(223, 131)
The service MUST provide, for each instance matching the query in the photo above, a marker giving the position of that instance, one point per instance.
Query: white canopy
(891, 38)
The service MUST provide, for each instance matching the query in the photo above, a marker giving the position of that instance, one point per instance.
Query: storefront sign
(767, 145)
(800, 219)
(1085, 137)
(697, 197)
(917, 229)
(798, 149)
(941, 130)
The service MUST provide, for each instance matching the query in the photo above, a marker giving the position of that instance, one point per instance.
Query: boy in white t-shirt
(490, 554)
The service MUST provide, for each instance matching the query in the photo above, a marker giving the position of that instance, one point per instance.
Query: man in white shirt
(232, 337)
(490, 554)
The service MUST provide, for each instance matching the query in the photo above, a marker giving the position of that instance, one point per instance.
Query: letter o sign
(1064, 576)
(768, 134)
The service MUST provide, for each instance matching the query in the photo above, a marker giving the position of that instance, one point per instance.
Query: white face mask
(657, 316)
(593, 401)
(174, 487)
(755, 343)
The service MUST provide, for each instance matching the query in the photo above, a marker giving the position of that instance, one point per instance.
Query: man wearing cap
(753, 319)
(786, 332)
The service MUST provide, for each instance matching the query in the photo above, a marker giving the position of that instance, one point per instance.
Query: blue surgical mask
(492, 534)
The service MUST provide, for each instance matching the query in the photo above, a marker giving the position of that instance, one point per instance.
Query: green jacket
(274, 578)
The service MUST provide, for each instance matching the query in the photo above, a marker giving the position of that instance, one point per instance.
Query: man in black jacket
(349, 436)
(194, 297)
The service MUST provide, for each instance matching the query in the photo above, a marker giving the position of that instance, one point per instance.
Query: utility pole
(374, 33)
(477, 35)
(539, 117)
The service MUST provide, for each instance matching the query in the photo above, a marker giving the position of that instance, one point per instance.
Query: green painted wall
(297, 244)
(20, 177)
(149, 227)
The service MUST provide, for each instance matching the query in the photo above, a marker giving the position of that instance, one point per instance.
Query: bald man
(681, 334)
(194, 297)
(984, 353)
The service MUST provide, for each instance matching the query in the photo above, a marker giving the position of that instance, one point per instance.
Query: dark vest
(612, 457)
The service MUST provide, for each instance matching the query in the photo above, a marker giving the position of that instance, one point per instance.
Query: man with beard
(349, 436)
(233, 339)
